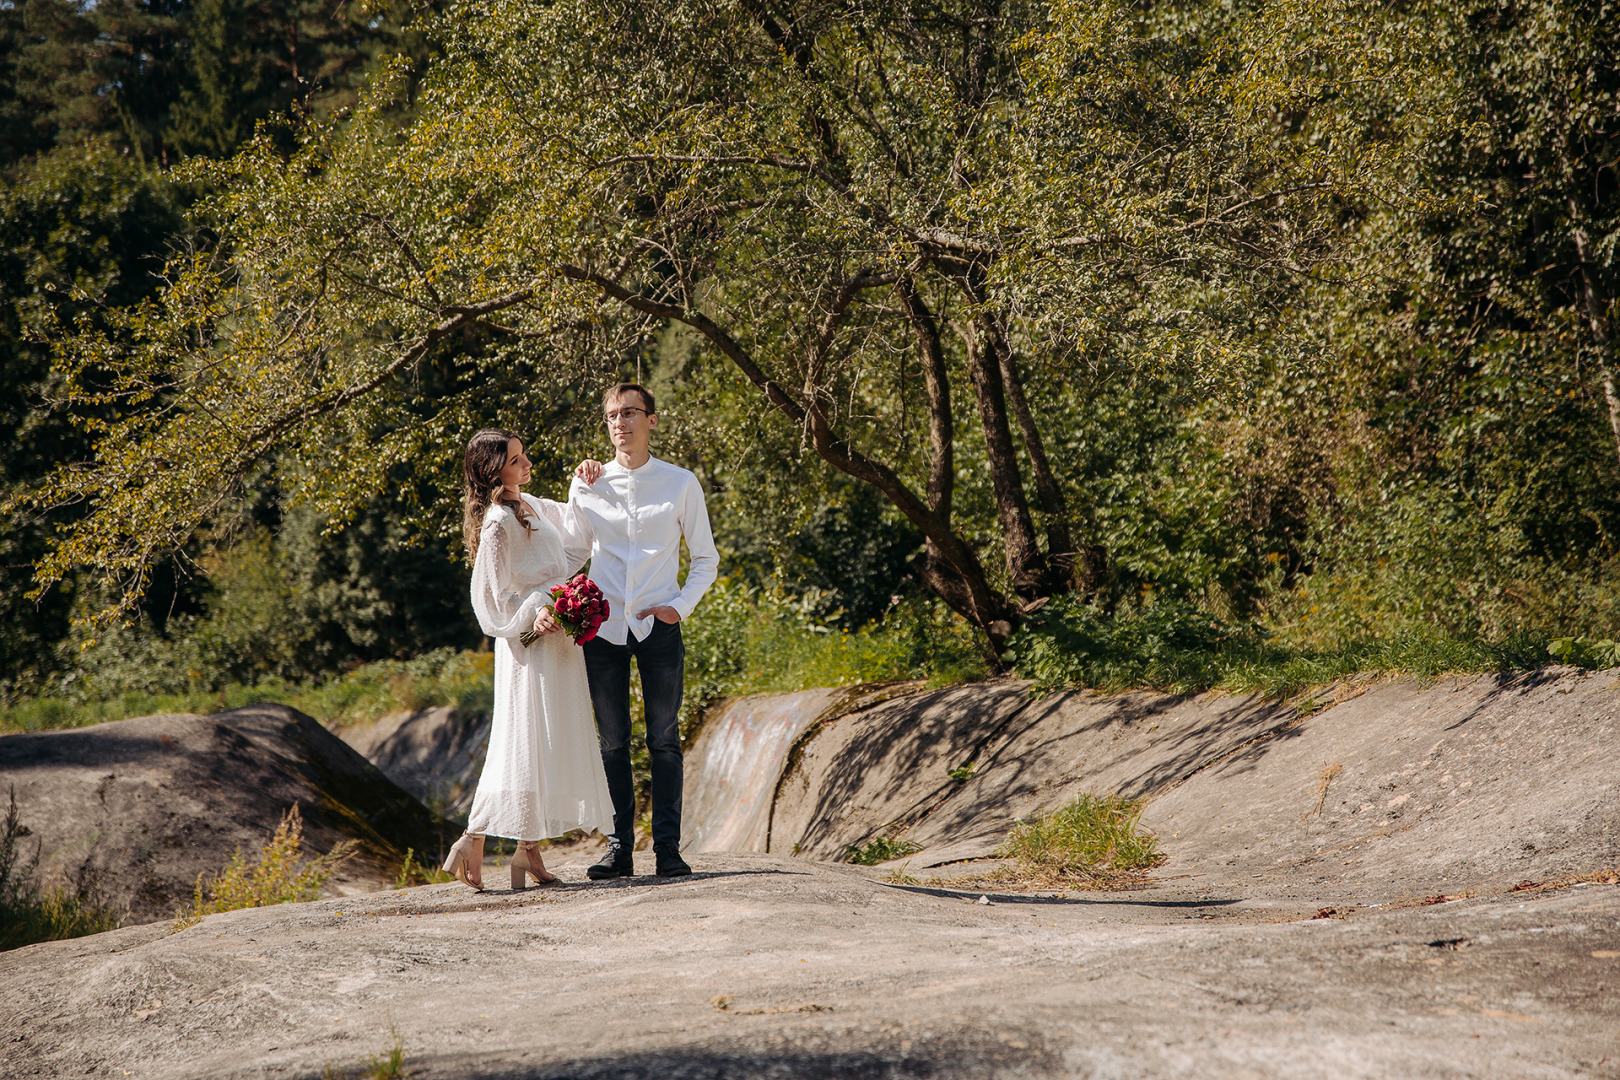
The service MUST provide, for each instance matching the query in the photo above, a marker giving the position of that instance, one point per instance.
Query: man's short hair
(618, 390)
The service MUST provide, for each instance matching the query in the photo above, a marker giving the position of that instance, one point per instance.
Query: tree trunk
(931, 566)
(1597, 316)
(1026, 564)
(941, 455)
(1059, 543)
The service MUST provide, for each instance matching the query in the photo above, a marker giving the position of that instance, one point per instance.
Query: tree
(85, 230)
(250, 60)
(165, 78)
(1536, 146)
(876, 219)
(1475, 476)
(80, 70)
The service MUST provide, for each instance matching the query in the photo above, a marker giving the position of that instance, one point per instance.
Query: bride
(543, 774)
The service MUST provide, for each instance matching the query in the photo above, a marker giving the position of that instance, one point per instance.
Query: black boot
(670, 863)
(616, 862)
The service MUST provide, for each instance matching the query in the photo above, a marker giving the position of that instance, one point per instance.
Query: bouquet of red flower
(579, 606)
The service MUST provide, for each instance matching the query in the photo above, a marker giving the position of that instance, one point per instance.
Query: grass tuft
(412, 872)
(280, 875)
(1095, 834)
(880, 849)
(390, 1064)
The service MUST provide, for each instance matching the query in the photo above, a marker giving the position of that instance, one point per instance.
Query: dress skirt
(543, 773)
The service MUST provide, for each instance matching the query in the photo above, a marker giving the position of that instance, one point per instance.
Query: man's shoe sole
(675, 873)
(603, 875)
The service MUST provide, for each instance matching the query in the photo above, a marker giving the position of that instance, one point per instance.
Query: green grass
(1095, 833)
(1175, 648)
(880, 849)
(390, 1064)
(53, 914)
(744, 641)
(412, 872)
(442, 677)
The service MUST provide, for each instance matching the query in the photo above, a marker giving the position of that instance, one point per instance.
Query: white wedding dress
(543, 774)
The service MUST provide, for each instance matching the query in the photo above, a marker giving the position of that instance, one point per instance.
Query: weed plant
(412, 872)
(1094, 834)
(880, 849)
(390, 1064)
(280, 875)
(30, 913)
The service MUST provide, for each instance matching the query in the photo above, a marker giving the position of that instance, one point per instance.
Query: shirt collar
(646, 467)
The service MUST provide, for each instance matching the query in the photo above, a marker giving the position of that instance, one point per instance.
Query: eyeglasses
(627, 414)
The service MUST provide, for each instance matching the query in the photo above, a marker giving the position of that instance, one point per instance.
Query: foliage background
(1404, 459)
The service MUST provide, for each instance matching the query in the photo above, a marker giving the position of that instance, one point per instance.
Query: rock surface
(765, 966)
(435, 754)
(1339, 901)
(741, 753)
(135, 810)
(1404, 787)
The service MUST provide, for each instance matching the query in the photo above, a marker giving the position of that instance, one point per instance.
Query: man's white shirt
(636, 518)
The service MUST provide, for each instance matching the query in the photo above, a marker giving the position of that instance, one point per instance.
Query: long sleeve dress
(543, 774)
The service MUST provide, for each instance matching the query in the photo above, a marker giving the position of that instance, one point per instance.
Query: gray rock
(135, 810)
(741, 751)
(1258, 953)
(761, 966)
(1431, 787)
(435, 754)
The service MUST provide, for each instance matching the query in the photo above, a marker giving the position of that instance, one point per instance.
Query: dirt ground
(765, 966)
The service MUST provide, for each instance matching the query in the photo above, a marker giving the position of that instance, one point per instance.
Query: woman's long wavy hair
(486, 457)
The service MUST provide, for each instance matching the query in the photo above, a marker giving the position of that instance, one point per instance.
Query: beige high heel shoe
(526, 861)
(466, 860)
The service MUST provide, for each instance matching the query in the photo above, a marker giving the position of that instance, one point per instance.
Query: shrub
(1174, 647)
(1585, 652)
(745, 640)
(1169, 644)
(279, 876)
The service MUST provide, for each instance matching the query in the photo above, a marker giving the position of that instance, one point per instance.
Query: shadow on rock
(946, 1056)
(146, 805)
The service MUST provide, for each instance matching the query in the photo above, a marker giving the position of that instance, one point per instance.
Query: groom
(637, 512)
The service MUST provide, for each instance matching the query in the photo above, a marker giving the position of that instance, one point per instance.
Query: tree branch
(941, 434)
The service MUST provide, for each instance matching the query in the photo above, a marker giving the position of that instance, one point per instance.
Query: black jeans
(662, 660)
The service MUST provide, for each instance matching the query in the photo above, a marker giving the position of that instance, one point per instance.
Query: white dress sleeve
(572, 526)
(502, 611)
